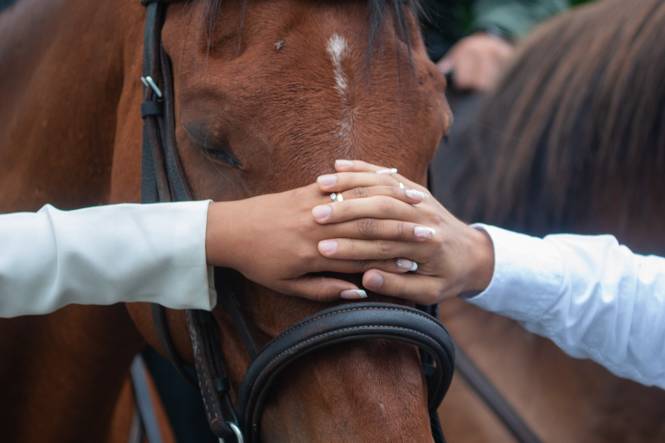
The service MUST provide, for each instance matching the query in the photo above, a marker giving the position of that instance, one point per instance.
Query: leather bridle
(163, 180)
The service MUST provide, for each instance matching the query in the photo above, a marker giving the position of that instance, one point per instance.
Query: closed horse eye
(212, 147)
(222, 155)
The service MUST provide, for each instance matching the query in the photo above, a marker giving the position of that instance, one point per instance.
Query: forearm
(590, 295)
(104, 255)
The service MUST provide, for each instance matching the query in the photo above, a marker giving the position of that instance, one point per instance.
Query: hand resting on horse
(590, 295)
(441, 255)
(160, 253)
(272, 240)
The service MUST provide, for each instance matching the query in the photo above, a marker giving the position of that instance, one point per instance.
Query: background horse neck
(60, 78)
(580, 150)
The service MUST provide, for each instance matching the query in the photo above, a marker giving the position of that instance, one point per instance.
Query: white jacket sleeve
(592, 296)
(104, 255)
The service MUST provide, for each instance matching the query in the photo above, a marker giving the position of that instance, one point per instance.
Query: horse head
(267, 95)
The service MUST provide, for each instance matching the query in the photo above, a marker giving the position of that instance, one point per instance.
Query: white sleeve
(104, 255)
(592, 296)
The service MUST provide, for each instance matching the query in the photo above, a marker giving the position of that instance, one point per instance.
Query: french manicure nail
(409, 265)
(343, 163)
(327, 180)
(389, 171)
(327, 247)
(423, 232)
(322, 212)
(415, 194)
(353, 294)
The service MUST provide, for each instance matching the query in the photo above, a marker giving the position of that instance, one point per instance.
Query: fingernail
(327, 180)
(322, 212)
(407, 264)
(415, 195)
(327, 247)
(343, 163)
(389, 171)
(374, 280)
(353, 294)
(423, 232)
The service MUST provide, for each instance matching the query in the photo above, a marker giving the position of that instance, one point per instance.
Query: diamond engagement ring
(337, 197)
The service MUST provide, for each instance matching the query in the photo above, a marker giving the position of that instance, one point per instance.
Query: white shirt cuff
(521, 264)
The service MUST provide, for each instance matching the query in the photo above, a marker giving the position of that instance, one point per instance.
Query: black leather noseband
(163, 180)
(345, 323)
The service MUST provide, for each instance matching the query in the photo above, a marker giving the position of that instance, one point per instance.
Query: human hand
(405, 224)
(272, 240)
(477, 61)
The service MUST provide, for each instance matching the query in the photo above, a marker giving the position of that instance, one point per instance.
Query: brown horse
(573, 140)
(267, 95)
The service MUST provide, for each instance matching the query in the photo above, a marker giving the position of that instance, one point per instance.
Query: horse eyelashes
(222, 155)
(214, 149)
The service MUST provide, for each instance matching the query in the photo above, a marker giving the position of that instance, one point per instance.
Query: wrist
(219, 243)
(482, 269)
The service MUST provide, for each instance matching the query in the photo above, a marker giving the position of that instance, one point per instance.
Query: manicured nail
(374, 281)
(343, 163)
(327, 247)
(423, 232)
(414, 194)
(409, 265)
(327, 180)
(353, 294)
(389, 171)
(322, 212)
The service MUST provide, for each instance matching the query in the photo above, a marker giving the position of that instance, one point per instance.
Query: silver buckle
(236, 430)
(148, 82)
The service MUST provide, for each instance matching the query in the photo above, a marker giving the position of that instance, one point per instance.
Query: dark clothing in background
(447, 21)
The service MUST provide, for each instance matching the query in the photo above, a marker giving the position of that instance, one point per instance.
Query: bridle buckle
(236, 431)
(148, 82)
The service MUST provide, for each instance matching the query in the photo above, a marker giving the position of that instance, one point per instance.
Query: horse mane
(582, 108)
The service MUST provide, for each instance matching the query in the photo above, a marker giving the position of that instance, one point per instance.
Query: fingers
(418, 288)
(377, 229)
(361, 166)
(356, 166)
(402, 193)
(323, 289)
(347, 249)
(397, 266)
(380, 207)
(343, 181)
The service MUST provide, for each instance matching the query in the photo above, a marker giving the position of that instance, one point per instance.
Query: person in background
(472, 41)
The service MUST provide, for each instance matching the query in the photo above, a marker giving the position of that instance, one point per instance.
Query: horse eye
(222, 155)
(211, 147)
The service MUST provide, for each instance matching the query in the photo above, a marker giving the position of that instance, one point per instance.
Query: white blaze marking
(337, 48)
